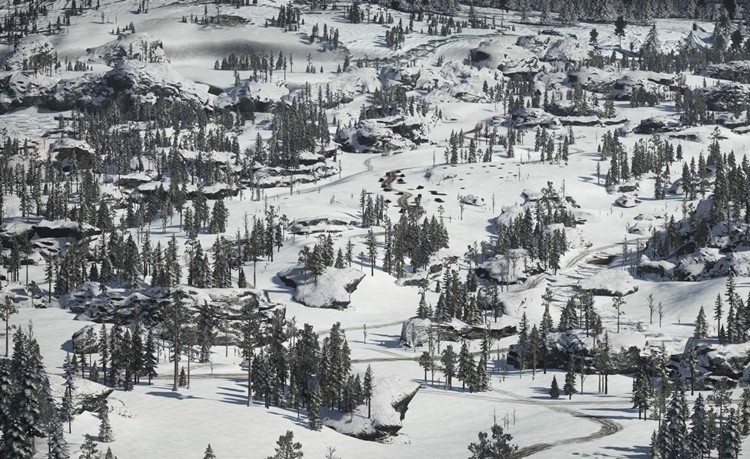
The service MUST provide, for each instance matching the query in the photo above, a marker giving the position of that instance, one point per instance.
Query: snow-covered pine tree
(498, 446)
(570, 381)
(313, 410)
(105, 428)
(209, 453)
(150, 358)
(554, 390)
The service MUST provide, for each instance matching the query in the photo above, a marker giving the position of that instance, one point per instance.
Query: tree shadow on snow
(174, 395)
(632, 451)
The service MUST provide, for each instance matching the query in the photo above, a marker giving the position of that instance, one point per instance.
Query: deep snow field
(153, 421)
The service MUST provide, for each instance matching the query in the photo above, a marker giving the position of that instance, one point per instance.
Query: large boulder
(382, 135)
(31, 52)
(332, 288)
(88, 301)
(134, 46)
(609, 282)
(715, 363)
(388, 405)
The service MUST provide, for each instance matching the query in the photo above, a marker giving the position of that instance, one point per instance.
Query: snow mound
(332, 289)
(515, 266)
(609, 282)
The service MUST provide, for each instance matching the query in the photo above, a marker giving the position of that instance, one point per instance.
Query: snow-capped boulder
(627, 201)
(414, 332)
(609, 282)
(725, 97)
(30, 52)
(128, 80)
(382, 135)
(24, 89)
(738, 71)
(510, 268)
(472, 200)
(253, 96)
(388, 405)
(64, 229)
(656, 125)
(134, 46)
(312, 225)
(715, 364)
(67, 150)
(15, 232)
(88, 301)
(332, 289)
(533, 117)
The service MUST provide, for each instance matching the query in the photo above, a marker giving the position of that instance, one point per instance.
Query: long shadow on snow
(636, 451)
(175, 395)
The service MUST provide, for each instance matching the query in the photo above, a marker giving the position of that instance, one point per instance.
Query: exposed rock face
(67, 150)
(715, 363)
(319, 225)
(332, 289)
(725, 97)
(64, 229)
(656, 125)
(20, 89)
(382, 135)
(90, 302)
(738, 71)
(532, 117)
(414, 331)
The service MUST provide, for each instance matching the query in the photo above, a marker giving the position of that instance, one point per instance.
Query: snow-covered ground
(153, 421)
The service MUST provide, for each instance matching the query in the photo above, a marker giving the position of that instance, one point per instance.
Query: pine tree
(209, 453)
(701, 325)
(367, 389)
(499, 447)
(570, 381)
(150, 358)
(287, 448)
(313, 410)
(554, 391)
(465, 366)
(56, 445)
(7, 309)
(88, 449)
(105, 429)
(448, 360)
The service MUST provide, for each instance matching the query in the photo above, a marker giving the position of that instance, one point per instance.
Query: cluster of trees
(735, 329)
(29, 411)
(393, 101)
(713, 424)
(289, 18)
(262, 64)
(531, 231)
(465, 301)
(125, 355)
(729, 202)
(473, 374)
